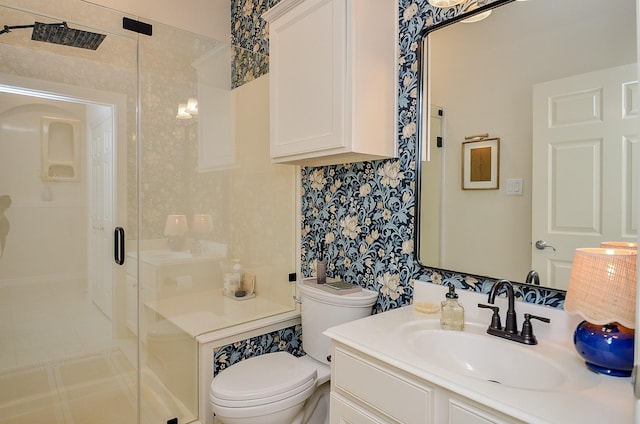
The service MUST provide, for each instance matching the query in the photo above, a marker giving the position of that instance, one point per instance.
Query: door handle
(118, 245)
(541, 245)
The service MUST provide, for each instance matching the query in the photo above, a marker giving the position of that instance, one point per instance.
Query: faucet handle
(527, 328)
(529, 317)
(495, 318)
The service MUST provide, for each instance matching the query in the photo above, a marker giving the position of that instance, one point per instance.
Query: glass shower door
(217, 218)
(68, 177)
(180, 247)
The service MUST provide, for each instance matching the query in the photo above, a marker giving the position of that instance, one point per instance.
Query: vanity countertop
(590, 398)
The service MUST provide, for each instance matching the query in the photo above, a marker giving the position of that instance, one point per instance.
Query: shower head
(61, 34)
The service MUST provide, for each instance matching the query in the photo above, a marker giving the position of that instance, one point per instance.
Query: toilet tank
(321, 310)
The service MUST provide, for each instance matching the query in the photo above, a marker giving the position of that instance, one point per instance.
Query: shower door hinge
(137, 26)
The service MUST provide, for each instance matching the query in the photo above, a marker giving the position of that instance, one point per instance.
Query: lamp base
(606, 349)
(176, 243)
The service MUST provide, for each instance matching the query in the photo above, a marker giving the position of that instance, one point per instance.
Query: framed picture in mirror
(481, 164)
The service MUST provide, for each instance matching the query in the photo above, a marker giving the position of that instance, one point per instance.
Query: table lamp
(174, 229)
(602, 289)
(619, 245)
(202, 224)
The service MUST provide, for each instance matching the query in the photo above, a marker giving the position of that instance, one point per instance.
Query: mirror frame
(526, 292)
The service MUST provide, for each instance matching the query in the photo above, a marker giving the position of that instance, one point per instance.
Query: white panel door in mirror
(583, 133)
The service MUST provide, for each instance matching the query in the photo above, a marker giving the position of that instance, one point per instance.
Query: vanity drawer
(344, 411)
(381, 389)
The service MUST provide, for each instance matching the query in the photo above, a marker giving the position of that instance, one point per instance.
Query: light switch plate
(514, 186)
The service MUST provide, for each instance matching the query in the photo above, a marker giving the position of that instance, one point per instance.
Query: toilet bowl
(278, 388)
(266, 389)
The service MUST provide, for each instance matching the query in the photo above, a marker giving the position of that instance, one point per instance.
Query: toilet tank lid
(362, 298)
(263, 376)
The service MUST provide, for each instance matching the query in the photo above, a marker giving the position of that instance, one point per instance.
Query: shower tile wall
(40, 211)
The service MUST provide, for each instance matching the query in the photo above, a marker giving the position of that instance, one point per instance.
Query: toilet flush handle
(297, 300)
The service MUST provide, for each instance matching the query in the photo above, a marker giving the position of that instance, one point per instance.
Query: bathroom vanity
(399, 366)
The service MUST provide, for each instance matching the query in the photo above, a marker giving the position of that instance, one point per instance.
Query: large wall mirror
(556, 83)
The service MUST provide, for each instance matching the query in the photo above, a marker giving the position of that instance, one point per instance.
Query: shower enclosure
(135, 191)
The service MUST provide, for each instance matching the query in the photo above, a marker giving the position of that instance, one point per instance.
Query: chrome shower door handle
(541, 245)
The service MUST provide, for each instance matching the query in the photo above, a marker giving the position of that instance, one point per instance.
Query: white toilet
(278, 388)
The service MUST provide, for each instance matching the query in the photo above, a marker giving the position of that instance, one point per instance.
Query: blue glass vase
(606, 349)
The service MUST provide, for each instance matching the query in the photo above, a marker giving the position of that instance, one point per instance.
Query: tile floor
(60, 364)
(43, 322)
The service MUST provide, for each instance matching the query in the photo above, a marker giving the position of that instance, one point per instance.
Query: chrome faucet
(510, 330)
(533, 278)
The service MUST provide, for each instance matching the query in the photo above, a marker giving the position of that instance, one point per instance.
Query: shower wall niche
(60, 149)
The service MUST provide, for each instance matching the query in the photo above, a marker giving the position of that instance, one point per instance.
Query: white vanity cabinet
(333, 80)
(399, 366)
(365, 390)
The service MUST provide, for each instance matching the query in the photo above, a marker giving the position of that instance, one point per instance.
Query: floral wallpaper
(249, 34)
(364, 212)
(288, 339)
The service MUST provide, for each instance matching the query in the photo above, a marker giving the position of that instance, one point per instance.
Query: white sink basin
(543, 367)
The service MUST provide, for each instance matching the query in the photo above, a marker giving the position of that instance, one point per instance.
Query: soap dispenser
(452, 312)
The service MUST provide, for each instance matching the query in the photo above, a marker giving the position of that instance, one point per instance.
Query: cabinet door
(461, 412)
(342, 412)
(307, 78)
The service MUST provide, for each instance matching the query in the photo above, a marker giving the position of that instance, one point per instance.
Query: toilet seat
(263, 380)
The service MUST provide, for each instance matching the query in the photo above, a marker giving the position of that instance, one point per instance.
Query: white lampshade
(192, 106)
(445, 3)
(202, 223)
(602, 286)
(176, 226)
(182, 112)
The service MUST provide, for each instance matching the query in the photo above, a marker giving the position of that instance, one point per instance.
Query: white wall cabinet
(333, 80)
(365, 390)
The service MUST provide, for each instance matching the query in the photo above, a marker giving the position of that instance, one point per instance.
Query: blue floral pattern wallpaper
(364, 212)
(288, 340)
